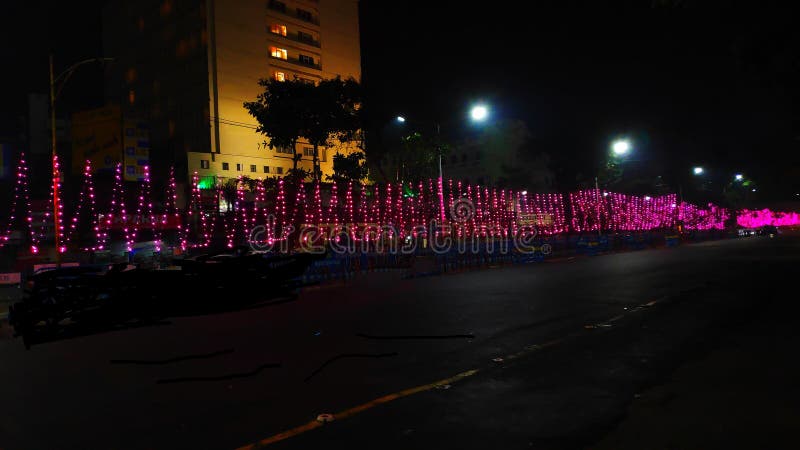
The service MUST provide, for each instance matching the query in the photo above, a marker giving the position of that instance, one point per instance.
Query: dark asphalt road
(588, 335)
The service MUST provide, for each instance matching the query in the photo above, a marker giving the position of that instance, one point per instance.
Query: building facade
(189, 66)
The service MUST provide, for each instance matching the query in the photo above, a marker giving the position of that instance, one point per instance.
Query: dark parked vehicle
(768, 230)
(119, 294)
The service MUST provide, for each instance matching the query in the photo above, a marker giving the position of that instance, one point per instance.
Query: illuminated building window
(238, 167)
(266, 169)
(280, 76)
(252, 167)
(308, 151)
(279, 170)
(225, 166)
(286, 150)
(305, 59)
(278, 29)
(279, 53)
(131, 96)
(204, 164)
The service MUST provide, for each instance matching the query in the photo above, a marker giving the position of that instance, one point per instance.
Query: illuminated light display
(171, 209)
(55, 194)
(281, 205)
(21, 196)
(334, 211)
(398, 218)
(205, 230)
(299, 204)
(406, 207)
(758, 218)
(144, 210)
(314, 214)
(362, 204)
(86, 199)
(387, 210)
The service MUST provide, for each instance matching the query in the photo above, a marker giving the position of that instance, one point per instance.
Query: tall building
(187, 66)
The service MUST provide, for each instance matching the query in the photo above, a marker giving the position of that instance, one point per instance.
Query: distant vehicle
(768, 230)
(745, 232)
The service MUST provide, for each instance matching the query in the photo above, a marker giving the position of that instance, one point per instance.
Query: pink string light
(494, 212)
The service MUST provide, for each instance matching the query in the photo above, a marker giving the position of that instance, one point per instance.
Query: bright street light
(401, 119)
(698, 170)
(621, 147)
(739, 177)
(479, 113)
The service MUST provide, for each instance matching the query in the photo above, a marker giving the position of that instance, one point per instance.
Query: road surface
(547, 355)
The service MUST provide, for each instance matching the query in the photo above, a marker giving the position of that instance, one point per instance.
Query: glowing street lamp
(621, 147)
(479, 113)
(738, 177)
(698, 170)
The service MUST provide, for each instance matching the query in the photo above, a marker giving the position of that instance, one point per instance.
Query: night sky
(690, 86)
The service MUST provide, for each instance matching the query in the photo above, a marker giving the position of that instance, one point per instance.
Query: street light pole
(479, 113)
(54, 156)
(441, 178)
(439, 148)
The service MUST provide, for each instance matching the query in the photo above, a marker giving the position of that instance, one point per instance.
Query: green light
(206, 183)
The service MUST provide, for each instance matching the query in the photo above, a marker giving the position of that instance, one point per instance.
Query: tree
(349, 168)
(291, 109)
(331, 112)
(416, 157)
(280, 111)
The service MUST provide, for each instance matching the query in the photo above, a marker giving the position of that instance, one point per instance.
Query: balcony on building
(297, 13)
(299, 36)
(314, 64)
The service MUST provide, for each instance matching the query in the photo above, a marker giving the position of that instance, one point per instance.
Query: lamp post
(478, 113)
(63, 77)
(619, 149)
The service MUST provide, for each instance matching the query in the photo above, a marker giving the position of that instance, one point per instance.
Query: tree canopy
(320, 113)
